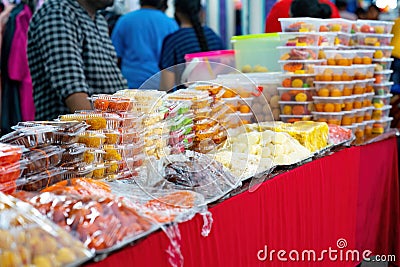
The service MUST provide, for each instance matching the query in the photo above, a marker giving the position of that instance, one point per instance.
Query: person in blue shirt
(192, 37)
(137, 38)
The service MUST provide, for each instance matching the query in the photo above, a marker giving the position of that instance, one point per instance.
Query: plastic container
(367, 102)
(41, 180)
(370, 71)
(131, 136)
(246, 118)
(30, 137)
(339, 57)
(300, 66)
(359, 101)
(296, 108)
(92, 139)
(351, 127)
(374, 26)
(381, 100)
(369, 87)
(360, 86)
(298, 53)
(360, 72)
(380, 113)
(383, 64)
(348, 103)
(335, 25)
(297, 80)
(73, 153)
(203, 66)
(329, 117)
(382, 76)
(334, 73)
(343, 39)
(368, 113)
(328, 104)
(299, 39)
(360, 132)
(363, 56)
(327, 39)
(348, 118)
(334, 89)
(383, 88)
(256, 52)
(381, 126)
(109, 103)
(130, 120)
(380, 52)
(39, 160)
(368, 128)
(294, 118)
(299, 24)
(93, 156)
(296, 94)
(374, 39)
(360, 113)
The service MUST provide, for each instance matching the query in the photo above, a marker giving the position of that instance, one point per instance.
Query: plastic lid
(216, 53)
(254, 36)
(298, 47)
(388, 59)
(384, 72)
(305, 61)
(365, 21)
(295, 88)
(383, 96)
(335, 82)
(375, 47)
(383, 84)
(295, 102)
(384, 107)
(383, 120)
(328, 113)
(389, 35)
(331, 97)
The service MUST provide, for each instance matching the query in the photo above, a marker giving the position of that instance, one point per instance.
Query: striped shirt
(69, 52)
(184, 41)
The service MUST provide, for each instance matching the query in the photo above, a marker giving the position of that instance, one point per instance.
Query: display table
(352, 194)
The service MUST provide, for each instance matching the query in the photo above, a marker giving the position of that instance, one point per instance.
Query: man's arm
(167, 80)
(78, 101)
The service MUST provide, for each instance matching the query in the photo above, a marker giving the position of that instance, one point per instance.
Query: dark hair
(310, 8)
(372, 6)
(163, 5)
(191, 9)
(341, 3)
(154, 3)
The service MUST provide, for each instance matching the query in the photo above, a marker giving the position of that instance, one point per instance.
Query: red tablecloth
(351, 195)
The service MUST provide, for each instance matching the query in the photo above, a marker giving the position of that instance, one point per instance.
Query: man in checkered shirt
(71, 56)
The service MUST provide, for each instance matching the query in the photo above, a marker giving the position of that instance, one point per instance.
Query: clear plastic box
(375, 40)
(382, 76)
(363, 56)
(39, 160)
(327, 39)
(368, 113)
(381, 126)
(374, 26)
(334, 89)
(299, 39)
(380, 113)
(296, 108)
(294, 118)
(368, 99)
(383, 88)
(348, 118)
(383, 64)
(360, 113)
(359, 87)
(339, 57)
(299, 24)
(329, 117)
(369, 87)
(368, 128)
(379, 51)
(300, 66)
(329, 104)
(297, 80)
(348, 103)
(298, 53)
(335, 25)
(334, 73)
(296, 94)
(358, 101)
(343, 39)
(381, 100)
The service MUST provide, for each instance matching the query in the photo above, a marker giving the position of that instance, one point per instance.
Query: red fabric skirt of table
(325, 213)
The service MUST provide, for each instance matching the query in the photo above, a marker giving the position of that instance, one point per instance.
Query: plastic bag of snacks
(88, 210)
(29, 239)
(30, 137)
(191, 171)
(10, 167)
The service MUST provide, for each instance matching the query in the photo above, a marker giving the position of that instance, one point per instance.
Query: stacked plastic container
(114, 139)
(51, 153)
(299, 58)
(10, 167)
(376, 36)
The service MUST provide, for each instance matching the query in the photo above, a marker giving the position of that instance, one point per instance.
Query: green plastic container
(257, 52)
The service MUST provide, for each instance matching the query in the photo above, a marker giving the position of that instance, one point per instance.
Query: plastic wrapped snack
(29, 239)
(112, 103)
(89, 212)
(163, 206)
(37, 182)
(9, 154)
(41, 159)
(30, 137)
(195, 172)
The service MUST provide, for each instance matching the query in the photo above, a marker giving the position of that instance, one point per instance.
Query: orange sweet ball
(366, 60)
(244, 109)
(378, 54)
(345, 76)
(286, 97)
(346, 120)
(228, 94)
(348, 106)
(319, 107)
(329, 107)
(322, 120)
(342, 62)
(358, 90)
(338, 107)
(298, 110)
(287, 110)
(331, 62)
(357, 104)
(336, 92)
(347, 91)
(357, 60)
(287, 82)
(334, 121)
(337, 77)
(323, 92)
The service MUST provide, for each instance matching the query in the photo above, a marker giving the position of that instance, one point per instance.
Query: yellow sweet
(65, 255)
(297, 83)
(287, 110)
(301, 97)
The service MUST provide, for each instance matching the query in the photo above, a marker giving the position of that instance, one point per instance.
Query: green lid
(255, 36)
